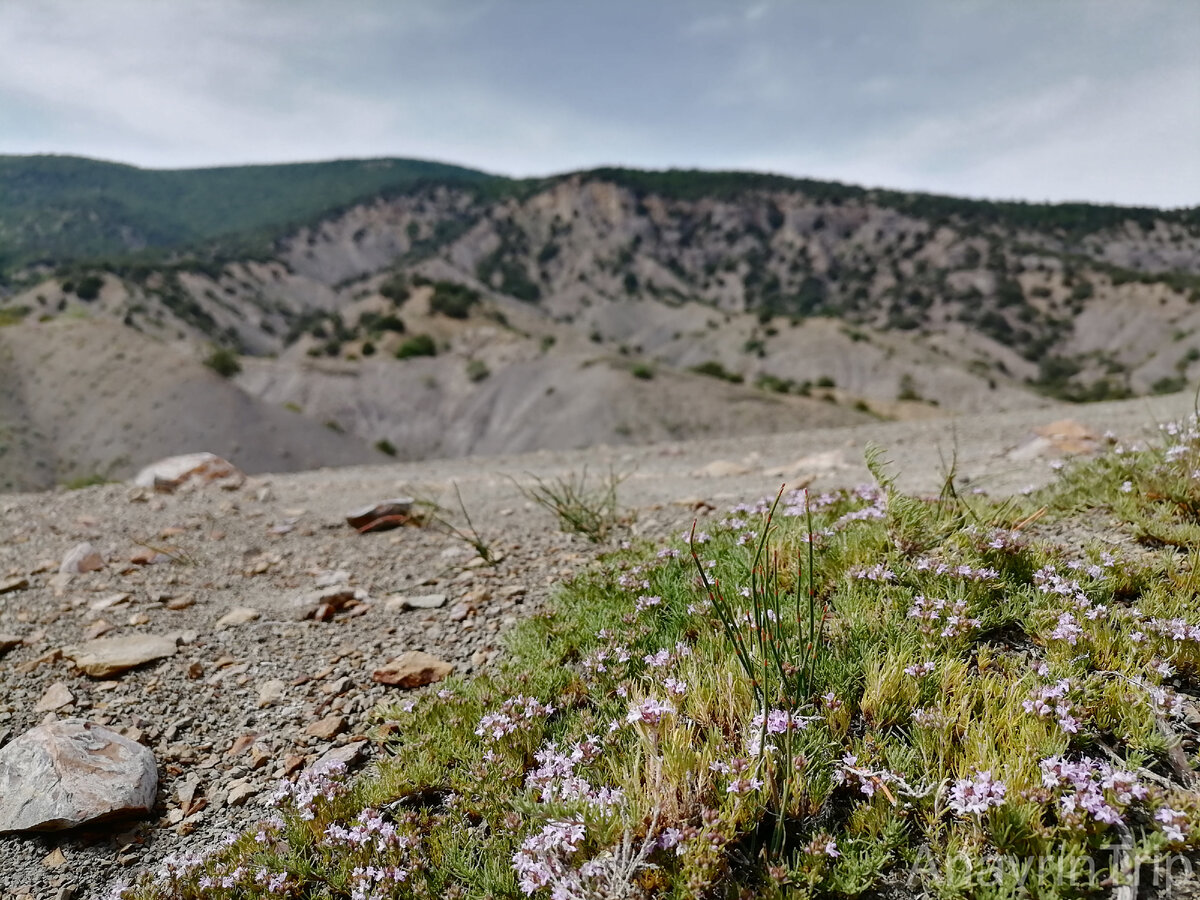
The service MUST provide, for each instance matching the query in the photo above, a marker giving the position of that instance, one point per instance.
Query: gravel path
(235, 709)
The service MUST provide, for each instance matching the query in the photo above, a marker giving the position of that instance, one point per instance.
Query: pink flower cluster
(942, 617)
(1091, 789)
(556, 778)
(968, 573)
(1052, 701)
(774, 722)
(877, 572)
(370, 828)
(651, 712)
(920, 670)
(518, 713)
(311, 787)
(977, 794)
(544, 858)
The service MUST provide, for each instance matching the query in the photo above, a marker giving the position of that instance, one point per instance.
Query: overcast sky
(1032, 99)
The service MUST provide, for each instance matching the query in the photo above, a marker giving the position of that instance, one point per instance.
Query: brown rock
(322, 604)
(413, 669)
(56, 696)
(81, 558)
(64, 774)
(328, 728)
(8, 641)
(108, 656)
(8, 585)
(382, 516)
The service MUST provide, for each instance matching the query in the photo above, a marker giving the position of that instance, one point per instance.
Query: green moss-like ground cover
(859, 694)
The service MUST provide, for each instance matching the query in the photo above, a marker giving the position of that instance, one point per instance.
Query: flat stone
(328, 728)
(56, 696)
(8, 641)
(413, 669)
(421, 601)
(8, 585)
(271, 692)
(239, 615)
(108, 601)
(240, 791)
(81, 558)
(64, 774)
(349, 755)
(109, 656)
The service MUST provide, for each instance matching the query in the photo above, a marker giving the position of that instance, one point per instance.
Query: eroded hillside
(453, 317)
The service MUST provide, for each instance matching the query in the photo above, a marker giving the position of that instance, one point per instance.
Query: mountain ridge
(406, 318)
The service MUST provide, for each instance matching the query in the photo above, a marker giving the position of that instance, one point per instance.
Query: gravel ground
(231, 713)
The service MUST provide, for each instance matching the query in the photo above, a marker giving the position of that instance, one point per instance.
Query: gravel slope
(229, 714)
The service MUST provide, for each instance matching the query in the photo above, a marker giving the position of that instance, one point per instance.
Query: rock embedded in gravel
(239, 615)
(56, 696)
(412, 669)
(321, 604)
(8, 585)
(63, 774)
(80, 559)
(420, 601)
(381, 516)
(110, 656)
(8, 641)
(328, 728)
(189, 470)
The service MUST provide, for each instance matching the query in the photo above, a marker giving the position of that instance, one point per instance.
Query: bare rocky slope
(91, 398)
(617, 307)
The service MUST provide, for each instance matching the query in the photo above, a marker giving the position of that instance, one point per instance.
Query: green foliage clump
(395, 289)
(88, 287)
(642, 371)
(453, 300)
(383, 445)
(417, 345)
(713, 369)
(224, 362)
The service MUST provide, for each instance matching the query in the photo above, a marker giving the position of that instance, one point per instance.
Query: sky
(1094, 100)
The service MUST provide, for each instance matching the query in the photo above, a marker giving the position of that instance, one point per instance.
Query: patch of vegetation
(417, 345)
(453, 300)
(88, 287)
(581, 506)
(477, 370)
(85, 481)
(396, 289)
(714, 369)
(383, 445)
(643, 371)
(64, 208)
(1169, 384)
(934, 694)
(224, 362)
(13, 315)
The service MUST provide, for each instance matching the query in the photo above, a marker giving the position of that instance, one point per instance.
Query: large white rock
(191, 469)
(71, 772)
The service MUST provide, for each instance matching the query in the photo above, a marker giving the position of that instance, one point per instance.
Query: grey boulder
(71, 772)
